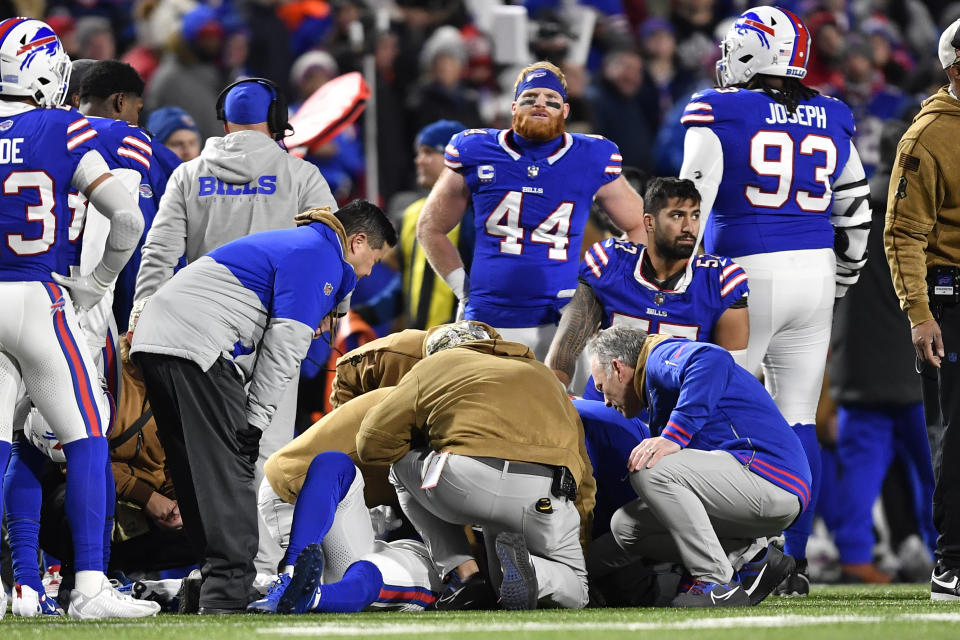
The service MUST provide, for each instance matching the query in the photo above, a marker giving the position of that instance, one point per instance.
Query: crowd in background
(435, 61)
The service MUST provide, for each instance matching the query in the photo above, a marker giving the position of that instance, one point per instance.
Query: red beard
(538, 130)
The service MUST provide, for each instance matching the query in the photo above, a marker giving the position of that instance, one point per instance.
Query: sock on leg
(22, 497)
(360, 586)
(795, 537)
(86, 504)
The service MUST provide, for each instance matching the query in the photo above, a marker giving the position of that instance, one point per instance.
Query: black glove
(249, 440)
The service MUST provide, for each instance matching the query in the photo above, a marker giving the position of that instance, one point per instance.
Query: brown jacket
(923, 203)
(488, 398)
(380, 363)
(139, 463)
(640, 373)
(337, 431)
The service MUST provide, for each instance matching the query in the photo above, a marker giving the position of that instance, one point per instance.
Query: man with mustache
(531, 187)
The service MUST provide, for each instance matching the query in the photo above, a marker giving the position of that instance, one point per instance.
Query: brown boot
(865, 573)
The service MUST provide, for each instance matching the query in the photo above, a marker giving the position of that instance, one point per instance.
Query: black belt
(563, 483)
(521, 468)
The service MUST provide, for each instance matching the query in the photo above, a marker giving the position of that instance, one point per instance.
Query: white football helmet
(763, 40)
(32, 62)
(40, 435)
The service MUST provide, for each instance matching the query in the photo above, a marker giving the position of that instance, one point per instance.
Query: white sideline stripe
(340, 629)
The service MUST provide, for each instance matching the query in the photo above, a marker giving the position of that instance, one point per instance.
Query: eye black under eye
(554, 105)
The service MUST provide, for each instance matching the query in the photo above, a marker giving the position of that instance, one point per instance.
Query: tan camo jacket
(923, 203)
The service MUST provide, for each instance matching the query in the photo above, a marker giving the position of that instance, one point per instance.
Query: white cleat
(27, 603)
(3, 602)
(109, 603)
(51, 581)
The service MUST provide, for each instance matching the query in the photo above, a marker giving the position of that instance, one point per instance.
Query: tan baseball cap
(949, 44)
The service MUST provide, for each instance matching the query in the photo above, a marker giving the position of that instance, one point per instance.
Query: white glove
(86, 290)
(384, 520)
(135, 312)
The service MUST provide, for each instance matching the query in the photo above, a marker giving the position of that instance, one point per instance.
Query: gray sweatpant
(470, 492)
(695, 506)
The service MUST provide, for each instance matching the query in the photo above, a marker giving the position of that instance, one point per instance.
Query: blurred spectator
(826, 55)
(393, 162)
(269, 38)
(870, 98)
(443, 94)
(66, 29)
(176, 129)
(307, 21)
(625, 111)
(94, 38)
(551, 39)
(889, 55)
(659, 46)
(581, 118)
(188, 76)
(311, 71)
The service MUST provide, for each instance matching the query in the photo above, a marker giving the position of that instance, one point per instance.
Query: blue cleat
(760, 576)
(269, 602)
(712, 594)
(302, 593)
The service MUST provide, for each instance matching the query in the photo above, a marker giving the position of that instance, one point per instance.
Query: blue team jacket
(700, 399)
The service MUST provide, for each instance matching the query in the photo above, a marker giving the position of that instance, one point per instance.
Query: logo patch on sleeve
(908, 162)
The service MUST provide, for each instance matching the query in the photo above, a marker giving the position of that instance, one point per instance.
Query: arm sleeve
(850, 218)
(914, 197)
(703, 379)
(386, 429)
(298, 306)
(166, 241)
(115, 203)
(703, 164)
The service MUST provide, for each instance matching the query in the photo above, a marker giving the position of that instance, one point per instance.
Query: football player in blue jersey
(46, 148)
(626, 283)
(531, 188)
(788, 200)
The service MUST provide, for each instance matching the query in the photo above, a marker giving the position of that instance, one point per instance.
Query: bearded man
(531, 187)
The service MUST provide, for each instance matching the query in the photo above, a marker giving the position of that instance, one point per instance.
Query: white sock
(288, 569)
(89, 583)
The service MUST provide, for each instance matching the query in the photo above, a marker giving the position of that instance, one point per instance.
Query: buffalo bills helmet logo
(43, 41)
(751, 22)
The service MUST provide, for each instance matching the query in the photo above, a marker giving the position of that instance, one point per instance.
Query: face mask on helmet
(33, 63)
(455, 334)
(763, 41)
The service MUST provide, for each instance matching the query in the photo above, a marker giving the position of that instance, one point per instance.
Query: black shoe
(797, 583)
(216, 611)
(519, 587)
(188, 597)
(712, 594)
(945, 584)
(765, 572)
(474, 594)
(299, 594)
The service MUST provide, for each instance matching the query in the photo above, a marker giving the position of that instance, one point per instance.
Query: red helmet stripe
(801, 44)
(759, 25)
(36, 43)
(7, 25)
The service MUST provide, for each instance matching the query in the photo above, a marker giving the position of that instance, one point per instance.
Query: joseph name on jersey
(612, 268)
(40, 233)
(778, 169)
(529, 219)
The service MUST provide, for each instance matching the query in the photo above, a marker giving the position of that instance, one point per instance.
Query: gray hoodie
(242, 183)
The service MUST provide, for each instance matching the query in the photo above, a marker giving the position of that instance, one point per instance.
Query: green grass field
(845, 613)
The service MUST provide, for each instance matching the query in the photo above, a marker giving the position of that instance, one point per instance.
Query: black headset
(276, 113)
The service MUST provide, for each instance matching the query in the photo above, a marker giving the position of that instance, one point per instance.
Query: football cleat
(3, 602)
(109, 603)
(519, 589)
(303, 592)
(797, 582)
(27, 603)
(945, 584)
(712, 594)
(188, 597)
(269, 602)
(51, 581)
(760, 576)
(474, 593)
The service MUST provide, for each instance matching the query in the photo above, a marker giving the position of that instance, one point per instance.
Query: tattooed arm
(580, 320)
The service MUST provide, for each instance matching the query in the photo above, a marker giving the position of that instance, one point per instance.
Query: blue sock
(328, 480)
(359, 586)
(796, 535)
(22, 496)
(85, 500)
(110, 504)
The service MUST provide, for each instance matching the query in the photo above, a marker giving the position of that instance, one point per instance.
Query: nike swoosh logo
(947, 585)
(725, 596)
(756, 582)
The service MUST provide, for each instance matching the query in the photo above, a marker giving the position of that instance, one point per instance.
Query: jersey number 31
(504, 223)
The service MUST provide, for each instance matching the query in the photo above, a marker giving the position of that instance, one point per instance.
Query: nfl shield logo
(327, 289)
(658, 298)
(533, 171)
